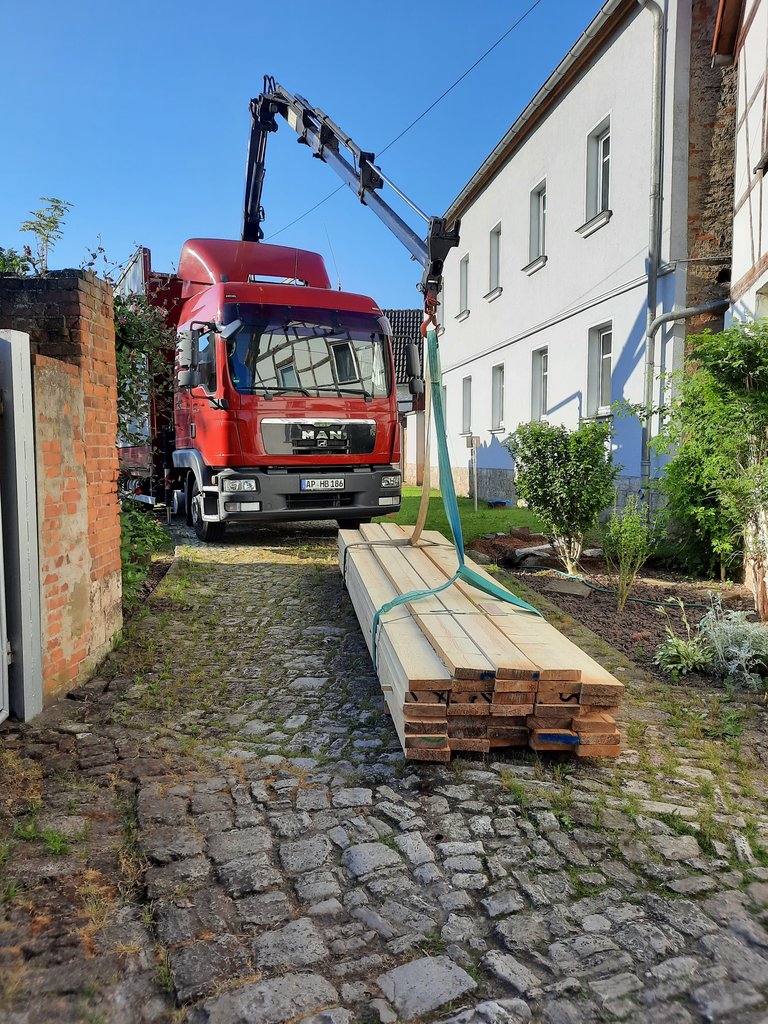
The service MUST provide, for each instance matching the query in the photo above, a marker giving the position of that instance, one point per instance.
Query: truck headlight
(391, 481)
(233, 483)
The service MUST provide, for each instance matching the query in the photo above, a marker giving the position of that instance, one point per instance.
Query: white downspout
(654, 231)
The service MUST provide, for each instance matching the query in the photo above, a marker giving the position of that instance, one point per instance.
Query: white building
(741, 36)
(546, 298)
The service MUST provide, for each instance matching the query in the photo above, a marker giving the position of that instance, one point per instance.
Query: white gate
(21, 676)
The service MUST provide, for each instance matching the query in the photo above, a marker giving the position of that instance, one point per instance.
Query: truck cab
(285, 406)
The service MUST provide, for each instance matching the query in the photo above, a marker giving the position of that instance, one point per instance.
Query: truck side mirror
(412, 360)
(416, 386)
(186, 349)
(230, 330)
(185, 378)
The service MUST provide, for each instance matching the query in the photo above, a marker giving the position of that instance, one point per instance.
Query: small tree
(566, 477)
(46, 225)
(627, 545)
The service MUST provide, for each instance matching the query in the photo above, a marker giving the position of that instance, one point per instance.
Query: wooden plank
(553, 713)
(509, 733)
(511, 699)
(612, 750)
(539, 641)
(469, 710)
(425, 726)
(481, 746)
(422, 754)
(505, 656)
(450, 641)
(509, 711)
(496, 743)
(608, 738)
(369, 589)
(427, 742)
(515, 686)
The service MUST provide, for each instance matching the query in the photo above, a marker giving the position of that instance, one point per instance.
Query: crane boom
(356, 168)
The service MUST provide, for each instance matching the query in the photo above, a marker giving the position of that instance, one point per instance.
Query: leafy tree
(46, 225)
(716, 429)
(566, 477)
(142, 342)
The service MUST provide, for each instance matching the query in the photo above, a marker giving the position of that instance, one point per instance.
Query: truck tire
(188, 498)
(208, 532)
(351, 524)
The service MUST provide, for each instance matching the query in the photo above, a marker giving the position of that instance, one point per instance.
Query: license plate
(323, 484)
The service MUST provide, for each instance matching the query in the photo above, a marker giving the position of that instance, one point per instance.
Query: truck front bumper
(278, 494)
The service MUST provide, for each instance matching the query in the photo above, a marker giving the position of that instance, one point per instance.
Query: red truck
(285, 404)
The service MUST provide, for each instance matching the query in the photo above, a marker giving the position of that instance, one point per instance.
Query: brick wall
(68, 316)
(712, 126)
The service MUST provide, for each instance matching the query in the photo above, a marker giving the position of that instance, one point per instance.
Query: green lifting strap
(464, 572)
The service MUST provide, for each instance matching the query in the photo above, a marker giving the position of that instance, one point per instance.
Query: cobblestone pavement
(221, 829)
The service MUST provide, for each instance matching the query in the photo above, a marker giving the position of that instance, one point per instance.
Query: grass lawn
(474, 524)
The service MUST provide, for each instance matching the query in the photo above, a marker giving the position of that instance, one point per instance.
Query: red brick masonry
(68, 316)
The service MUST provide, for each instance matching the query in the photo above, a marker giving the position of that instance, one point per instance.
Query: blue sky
(138, 115)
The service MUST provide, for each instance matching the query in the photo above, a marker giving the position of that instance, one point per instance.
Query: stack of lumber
(461, 670)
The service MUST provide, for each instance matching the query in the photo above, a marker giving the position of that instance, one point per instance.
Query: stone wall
(712, 127)
(68, 316)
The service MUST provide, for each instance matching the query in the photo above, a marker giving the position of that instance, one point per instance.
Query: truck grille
(297, 501)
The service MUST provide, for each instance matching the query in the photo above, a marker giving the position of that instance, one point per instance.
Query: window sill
(498, 430)
(462, 315)
(534, 265)
(494, 293)
(594, 223)
(601, 414)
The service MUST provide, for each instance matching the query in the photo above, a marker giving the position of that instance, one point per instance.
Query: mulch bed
(641, 627)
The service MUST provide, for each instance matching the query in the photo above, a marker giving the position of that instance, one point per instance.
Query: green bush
(141, 537)
(679, 655)
(628, 543)
(566, 478)
(715, 430)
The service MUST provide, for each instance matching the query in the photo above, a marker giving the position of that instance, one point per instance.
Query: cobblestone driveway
(221, 829)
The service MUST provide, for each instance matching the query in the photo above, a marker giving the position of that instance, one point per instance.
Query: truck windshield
(309, 351)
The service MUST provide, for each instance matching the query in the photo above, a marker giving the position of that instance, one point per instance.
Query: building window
(599, 170)
(287, 376)
(539, 381)
(494, 276)
(466, 406)
(538, 230)
(600, 370)
(464, 284)
(497, 397)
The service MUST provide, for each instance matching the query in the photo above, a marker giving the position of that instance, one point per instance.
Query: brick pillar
(711, 138)
(68, 316)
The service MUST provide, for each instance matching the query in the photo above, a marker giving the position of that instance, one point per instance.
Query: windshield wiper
(253, 388)
(281, 391)
(347, 391)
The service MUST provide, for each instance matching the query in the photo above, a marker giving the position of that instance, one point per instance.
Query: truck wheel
(351, 524)
(188, 499)
(208, 532)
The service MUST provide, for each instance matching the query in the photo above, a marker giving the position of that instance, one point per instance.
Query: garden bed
(637, 631)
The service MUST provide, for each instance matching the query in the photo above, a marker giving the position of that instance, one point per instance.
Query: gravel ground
(220, 828)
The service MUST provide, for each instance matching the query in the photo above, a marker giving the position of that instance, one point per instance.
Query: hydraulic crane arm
(356, 168)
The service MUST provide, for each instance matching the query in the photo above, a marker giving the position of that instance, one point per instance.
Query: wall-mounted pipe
(654, 229)
(713, 306)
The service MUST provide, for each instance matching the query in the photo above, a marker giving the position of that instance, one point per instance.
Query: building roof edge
(608, 18)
